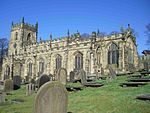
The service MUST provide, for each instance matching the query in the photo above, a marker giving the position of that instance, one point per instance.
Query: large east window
(113, 54)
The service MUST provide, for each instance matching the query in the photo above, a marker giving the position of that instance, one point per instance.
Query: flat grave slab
(143, 97)
(144, 73)
(93, 84)
(73, 88)
(137, 76)
(140, 80)
(133, 84)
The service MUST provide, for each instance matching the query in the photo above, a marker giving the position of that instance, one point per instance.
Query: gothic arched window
(16, 35)
(29, 37)
(7, 72)
(58, 61)
(41, 66)
(113, 54)
(78, 61)
(98, 52)
(30, 68)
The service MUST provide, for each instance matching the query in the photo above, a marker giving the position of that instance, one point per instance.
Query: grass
(110, 98)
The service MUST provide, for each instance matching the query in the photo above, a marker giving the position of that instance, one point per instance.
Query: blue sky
(57, 16)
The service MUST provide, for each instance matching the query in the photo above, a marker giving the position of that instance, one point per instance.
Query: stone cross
(52, 97)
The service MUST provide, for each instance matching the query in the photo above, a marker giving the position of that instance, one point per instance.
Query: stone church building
(30, 59)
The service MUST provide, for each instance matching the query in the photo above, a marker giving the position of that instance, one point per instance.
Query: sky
(57, 16)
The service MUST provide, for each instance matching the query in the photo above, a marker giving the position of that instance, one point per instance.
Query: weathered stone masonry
(29, 58)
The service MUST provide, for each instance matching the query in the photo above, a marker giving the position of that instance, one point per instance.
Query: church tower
(22, 34)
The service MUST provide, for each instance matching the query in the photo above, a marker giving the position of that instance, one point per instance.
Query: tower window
(29, 37)
(16, 36)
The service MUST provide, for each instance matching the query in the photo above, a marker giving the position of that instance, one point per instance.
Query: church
(30, 59)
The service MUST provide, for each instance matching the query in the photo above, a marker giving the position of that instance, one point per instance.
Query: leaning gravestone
(83, 76)
(8, 85)
(62, 76)
(112, 72)
(42, 80)
(17, 82)
(72, 74)
(30, 89)
(52, 97)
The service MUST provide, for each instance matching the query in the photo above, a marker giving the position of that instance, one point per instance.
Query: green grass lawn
(110, 98)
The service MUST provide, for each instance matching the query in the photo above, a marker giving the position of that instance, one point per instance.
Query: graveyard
(109, 98)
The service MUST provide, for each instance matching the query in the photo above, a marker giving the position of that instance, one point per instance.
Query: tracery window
(30, 68)
(41, 66)
(78, 61)
(58, 61)
(113, 54)
(98, 56)
(7, 71)
(29, 37)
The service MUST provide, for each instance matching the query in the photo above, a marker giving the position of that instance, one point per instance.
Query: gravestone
(2, 97)
(42, 80)
(112, 72)
(8, 85)
(32, 81)
(62, 76)
(30, 88)
(52, 97)
(72, 74)
(17, 82)
(83, 76)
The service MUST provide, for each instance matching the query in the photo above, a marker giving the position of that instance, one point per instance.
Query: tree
(3, 49)
(148, 34)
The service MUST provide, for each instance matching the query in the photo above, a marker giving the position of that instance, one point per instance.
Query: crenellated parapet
(23, 25)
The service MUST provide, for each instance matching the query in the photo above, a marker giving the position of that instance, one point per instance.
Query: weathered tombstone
(17, 82)
(72, 74)
(30, 88)
(8, 85)
(42, 80)
(2, 97)
(52, 97)
(112, 72)
(32, 81)
(62, 76)
(83, 76)
(51, 77)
